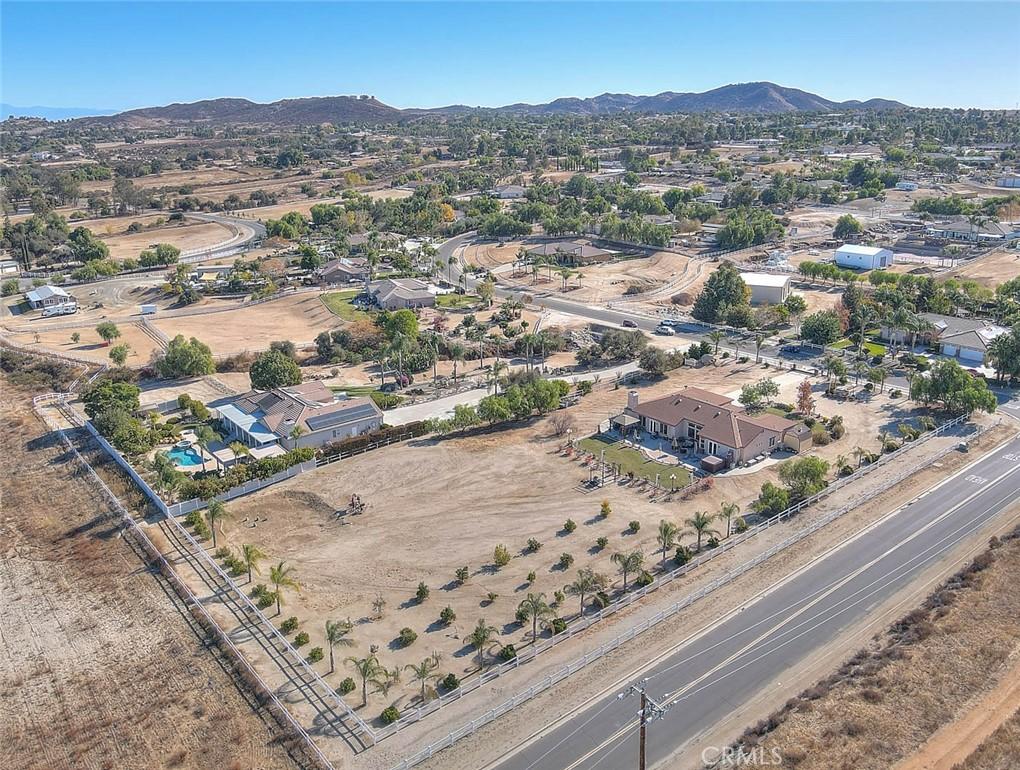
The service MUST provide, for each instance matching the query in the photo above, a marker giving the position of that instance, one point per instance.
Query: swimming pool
(185, 457)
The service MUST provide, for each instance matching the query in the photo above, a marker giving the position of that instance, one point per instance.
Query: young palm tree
(667, 538)
(240, 450)
(859, 453)
(759, 340)
(204, 436)
(585, 584)
(716, 337)
(336, 635)
(280, 577)
(536, 608)
(384, 680)
(728, 511)
(216, 511)
(701, 523)
(251, 555)
(841, 463)
(423, 672)
(480, 637)
(456, 351)
(628, 562)
(368, 669)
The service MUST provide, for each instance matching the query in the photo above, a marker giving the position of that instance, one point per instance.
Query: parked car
(629, 323)
(665, 330)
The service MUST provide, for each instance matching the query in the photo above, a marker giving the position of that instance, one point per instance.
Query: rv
(65, 308)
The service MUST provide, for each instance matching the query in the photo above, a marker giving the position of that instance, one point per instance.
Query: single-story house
(9, 267)
(508, 191)
(399, 293)
(962, 229)
(344, 270)
(48, 296)
(967, 339)
(713, 423)
(212, 273)
(767, 288)
(571, 252)
(863, 257)
(306, 415)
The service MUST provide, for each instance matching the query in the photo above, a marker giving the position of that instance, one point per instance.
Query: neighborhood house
(399, 293)
(48, 296)
(965, 338)
(713, 425)
(571, 252)
(306, 415)
(344, 270)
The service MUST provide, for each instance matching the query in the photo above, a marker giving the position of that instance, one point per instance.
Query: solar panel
(359, 412)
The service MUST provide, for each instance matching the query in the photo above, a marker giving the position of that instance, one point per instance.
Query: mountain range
(766, 98)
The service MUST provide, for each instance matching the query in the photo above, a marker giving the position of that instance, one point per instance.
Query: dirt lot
(299, 318)
(998, 267)
(86, 631)
(91, 345)
(432, 509)
(886, 709)
(193, 235)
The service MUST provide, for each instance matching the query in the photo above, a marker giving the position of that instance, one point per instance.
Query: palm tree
(628, 562)
(728, 511)
(456, 354)
(535, 607)
(701, 523)
(716, 337)
(586, 583)
(759, 340)
(859, 453)
(449, 269)
(667, 537)
(240, 450)
(841, 463)
(565, 274)
(423, 672)
(368, 669)
(384, 679)
(280, 577)
(251, 556)
(204, 436)
(480, 637)
(336, 634)
(216, 511)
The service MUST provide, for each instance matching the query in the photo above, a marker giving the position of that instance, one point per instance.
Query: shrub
(558, 597)
(301, 639)
(389, 715)
(290, 624)
(895, 393)
(683, 555)
(521, 616)
(601, 542)
(739, 524)
(447, 616)
(533, 545)
(601, 600)
(450, 682)
(713, 542)
(346, 687)
(501, 556)
(644, 579)
(634, 526)
(569, 525)
(566, 560)
(222, 552)
(462, 574)
(532, 577)
(507, 652)
(605, 510)
(557, 626)
(422, 593)
(820, 436)
(315, 655)
(407, 637)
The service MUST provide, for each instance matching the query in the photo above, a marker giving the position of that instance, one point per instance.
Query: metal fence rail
(613, 644)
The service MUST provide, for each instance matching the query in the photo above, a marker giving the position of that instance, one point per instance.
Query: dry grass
(98, 668)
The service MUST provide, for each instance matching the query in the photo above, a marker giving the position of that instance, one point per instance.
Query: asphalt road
(749, 652)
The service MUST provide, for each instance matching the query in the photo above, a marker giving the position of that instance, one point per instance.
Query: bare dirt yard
(90, 345)
(991, 270)
(297, 317)
(436, 506)
(99, 666)
(186, 237)
(926, 694)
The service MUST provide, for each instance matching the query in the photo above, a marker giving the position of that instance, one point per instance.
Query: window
(772, 441)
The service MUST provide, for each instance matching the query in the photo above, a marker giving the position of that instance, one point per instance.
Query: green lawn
(632, 460)
(354, 390)
(841, 344)
(339, 303)
(457, 301)
(872, 348)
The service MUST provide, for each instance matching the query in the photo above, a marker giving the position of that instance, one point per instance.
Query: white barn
(863, 257)
(767, 288)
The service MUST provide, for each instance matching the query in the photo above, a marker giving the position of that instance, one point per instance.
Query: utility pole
(650, 711)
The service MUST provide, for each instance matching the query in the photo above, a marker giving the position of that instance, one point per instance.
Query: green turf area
(354, 390)
(841, 344)
(874, 349)
(628, 459)
(457, 301)
(339, 303)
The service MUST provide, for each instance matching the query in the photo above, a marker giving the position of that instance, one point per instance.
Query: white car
(666, 331)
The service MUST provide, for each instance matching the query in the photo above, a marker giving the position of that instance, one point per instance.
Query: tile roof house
(571, 252)
(715, 424)
(344, 270)
(965, 338)
(398, 293)
(962, 229)
(263, 418)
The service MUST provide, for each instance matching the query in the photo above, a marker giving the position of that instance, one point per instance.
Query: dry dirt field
(91, 345)
(434, 507)
(990, 271)
(918, 698)
(99, 667)
(186, 237)
(298, 317)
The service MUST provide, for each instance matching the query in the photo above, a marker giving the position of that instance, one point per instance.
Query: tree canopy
(274, 369)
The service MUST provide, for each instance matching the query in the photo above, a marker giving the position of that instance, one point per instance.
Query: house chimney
(632, 399)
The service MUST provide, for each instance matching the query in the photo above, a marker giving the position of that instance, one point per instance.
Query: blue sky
(121, 55)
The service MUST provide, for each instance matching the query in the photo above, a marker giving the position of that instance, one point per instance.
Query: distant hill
(741, 97)
(50, 113)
